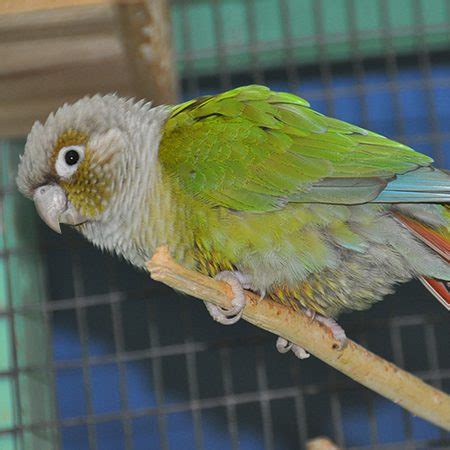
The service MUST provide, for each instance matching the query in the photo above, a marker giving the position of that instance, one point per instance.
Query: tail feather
(439, 289)
(424, 185)
(440, 243)
(427, 235)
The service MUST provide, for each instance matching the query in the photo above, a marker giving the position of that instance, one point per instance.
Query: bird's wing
(256, 150)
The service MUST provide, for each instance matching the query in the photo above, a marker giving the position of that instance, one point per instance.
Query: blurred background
(95, 355)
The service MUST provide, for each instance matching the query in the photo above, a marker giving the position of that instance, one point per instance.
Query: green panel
(4, 166)
(21, 283)
(434, 14)
(3, 285)
(368, 16)
(300, 18)
(25, 272)
(19, 222)
(235, 34)
(177, 32)
(201, 27)
(6, 404)
(2, 231)
(5, 343)
(7, 401)
(335, 17)
(234, 24)
(266, 15)
(7, 441)
(369, 26)
(268, 44)
(406, 18)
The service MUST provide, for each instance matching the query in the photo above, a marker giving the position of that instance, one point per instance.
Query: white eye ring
(64, 168)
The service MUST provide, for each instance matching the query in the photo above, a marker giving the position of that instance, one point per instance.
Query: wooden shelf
(53, 52)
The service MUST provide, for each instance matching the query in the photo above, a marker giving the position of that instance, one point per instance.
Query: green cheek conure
(250, 186)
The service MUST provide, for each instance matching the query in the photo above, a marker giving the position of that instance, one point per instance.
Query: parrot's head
(80, 166)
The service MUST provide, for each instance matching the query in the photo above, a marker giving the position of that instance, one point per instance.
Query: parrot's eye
(68, 160)
(72, 157)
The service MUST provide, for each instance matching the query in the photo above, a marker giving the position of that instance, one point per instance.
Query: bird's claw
(336, 330)
(284, 346)
(223, 316)
(237, 282)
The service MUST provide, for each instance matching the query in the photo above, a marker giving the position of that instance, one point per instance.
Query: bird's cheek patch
(89, 190)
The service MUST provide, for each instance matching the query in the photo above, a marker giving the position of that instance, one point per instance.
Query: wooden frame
(57, 51)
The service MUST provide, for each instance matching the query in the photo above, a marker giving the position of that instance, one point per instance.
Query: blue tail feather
(425, 185)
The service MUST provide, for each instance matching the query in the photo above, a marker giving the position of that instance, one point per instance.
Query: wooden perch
(321, 443)
(353, 360)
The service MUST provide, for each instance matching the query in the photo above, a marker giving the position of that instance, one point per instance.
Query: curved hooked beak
(54, 208)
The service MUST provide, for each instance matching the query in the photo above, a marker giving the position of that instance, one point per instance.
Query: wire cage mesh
(94, 355)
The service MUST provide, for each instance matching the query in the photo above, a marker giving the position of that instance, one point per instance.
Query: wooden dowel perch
(353, 360)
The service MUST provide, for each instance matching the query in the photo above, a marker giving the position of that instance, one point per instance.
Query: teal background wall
(244, 33)
(25, 394)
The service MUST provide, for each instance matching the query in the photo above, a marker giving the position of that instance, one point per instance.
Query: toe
(238, 301)
(222, 316)
(300, 352)
(283, 345)
(233, 314)
(336, 330)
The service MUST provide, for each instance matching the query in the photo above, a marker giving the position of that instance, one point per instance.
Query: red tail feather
(427, 235)
(439, 289)
(440, 245)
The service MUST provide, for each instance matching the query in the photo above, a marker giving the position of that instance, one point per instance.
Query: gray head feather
(90, 115)
(136, 129)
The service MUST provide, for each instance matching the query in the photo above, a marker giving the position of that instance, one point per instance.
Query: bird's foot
(238, 282)
(284, 346)
(336, 330)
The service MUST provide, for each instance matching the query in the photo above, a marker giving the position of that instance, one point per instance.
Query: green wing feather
(253, 149)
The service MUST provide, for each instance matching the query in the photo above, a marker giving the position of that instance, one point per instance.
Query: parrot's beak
(54, 208)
